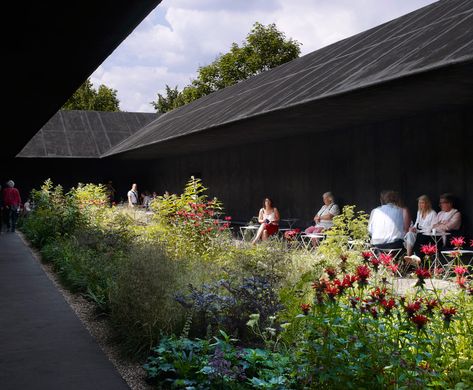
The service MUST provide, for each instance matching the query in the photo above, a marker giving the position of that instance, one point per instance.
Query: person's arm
(260, 216)
(130, 203)
(370, 223)
(407, 219)
(276, 216)
(455, 222)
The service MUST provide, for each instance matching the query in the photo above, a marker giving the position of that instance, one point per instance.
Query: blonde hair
(426, 200)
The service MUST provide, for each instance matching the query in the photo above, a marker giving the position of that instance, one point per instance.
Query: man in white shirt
(386, 223)
(133, 196)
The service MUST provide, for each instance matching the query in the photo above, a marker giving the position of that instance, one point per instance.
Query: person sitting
(323, 218)
(387, 223)
(425, 219)
(269, 219)
(449, 219)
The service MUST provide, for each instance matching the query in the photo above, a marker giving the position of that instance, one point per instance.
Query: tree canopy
(264, 48)
(89, 98)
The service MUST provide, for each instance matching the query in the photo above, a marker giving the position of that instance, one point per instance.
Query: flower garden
(201, 310)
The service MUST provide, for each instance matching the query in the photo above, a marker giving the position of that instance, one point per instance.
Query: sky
(178, 36)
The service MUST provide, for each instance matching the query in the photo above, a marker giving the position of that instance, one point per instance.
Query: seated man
(386, 224)
(449, 219)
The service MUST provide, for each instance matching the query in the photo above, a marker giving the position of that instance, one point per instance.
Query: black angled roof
(82, 134)
(432, 38)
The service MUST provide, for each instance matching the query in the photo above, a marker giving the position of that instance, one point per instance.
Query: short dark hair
(389, 196)
(449, 198)
(270, 202)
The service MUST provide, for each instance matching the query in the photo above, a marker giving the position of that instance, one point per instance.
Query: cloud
(181, 35)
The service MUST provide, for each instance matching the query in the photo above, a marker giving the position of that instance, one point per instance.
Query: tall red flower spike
(457, 242)
(420, 320)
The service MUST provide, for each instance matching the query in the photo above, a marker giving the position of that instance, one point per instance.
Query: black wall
(429, 153)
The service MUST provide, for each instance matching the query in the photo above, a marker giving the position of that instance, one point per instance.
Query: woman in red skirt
(269, 219)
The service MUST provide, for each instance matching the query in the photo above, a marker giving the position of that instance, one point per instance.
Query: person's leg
(258, 234)
(409, 241)
(14, 218)
(8, 218)
(309, 230)
(265, 235)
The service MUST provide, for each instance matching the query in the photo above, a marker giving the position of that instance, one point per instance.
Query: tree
(265, 48)
(88, 98)
(168, 102)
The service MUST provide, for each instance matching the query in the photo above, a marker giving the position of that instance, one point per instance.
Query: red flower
(331, 272)
(471, 243)
(366, 255)
(460, 271)
(422, 274)
(393, 268)
(375, 263)
(226, 225)
(429, 249)
(412, 308)
(386, 259)
(332, 291)
(362, 273)
(420, 320)
(448, 313)
(305, 307)
(378, 294)
(388, 305)
(457, 242)
(430, 305)
(228, 218)
(348, 281)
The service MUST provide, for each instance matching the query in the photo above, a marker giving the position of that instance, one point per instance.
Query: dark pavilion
(389, 108)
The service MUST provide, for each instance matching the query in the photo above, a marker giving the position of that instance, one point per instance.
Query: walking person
(11, 205)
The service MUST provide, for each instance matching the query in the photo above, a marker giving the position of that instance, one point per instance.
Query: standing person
(387, 223)
(269, 219)
(133, 198)
(11, 204)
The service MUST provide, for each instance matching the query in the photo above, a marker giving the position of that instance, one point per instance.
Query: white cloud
(180, 35)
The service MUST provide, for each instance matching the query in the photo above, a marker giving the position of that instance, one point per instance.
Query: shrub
(142, 298)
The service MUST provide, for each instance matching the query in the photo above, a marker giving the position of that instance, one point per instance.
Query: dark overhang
(420, 61)
(84, 134)
(52, 48)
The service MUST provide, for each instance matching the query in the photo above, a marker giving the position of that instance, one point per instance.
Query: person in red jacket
(11, 205)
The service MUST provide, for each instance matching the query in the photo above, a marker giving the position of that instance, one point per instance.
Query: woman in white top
(269, 219)
(323, 218)
(426, 217)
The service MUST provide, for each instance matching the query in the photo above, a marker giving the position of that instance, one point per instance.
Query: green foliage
(186, 223)
(265, 48)
(200, 364)
(88, 98)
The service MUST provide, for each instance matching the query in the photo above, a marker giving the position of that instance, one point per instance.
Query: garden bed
(212, 314)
